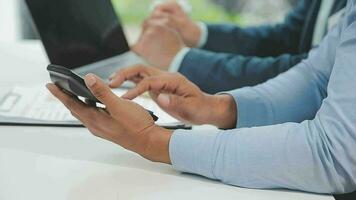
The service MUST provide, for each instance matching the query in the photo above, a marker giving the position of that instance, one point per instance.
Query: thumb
(101, 91)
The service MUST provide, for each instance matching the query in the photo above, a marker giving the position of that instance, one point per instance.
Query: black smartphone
(73, 84)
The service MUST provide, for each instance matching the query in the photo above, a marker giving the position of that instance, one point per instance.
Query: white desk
(70, 163)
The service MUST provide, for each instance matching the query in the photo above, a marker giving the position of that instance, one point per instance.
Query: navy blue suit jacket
(235, 57)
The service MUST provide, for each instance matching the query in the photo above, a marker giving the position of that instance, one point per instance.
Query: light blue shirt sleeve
(303, 134)
(178, 59)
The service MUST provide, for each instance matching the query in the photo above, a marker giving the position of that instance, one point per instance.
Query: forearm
(252, 41)
(295, 95)
(228, 71)
(291, 156)
(261, 40)
(234, 39)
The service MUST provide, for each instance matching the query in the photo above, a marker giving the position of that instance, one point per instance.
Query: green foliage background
(134, 11)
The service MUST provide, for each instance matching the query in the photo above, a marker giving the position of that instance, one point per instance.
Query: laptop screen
(78, 32)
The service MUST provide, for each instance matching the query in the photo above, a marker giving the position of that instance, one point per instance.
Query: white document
(36, 103)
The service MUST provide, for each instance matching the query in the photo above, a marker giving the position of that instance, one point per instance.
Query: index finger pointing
(123, 75)
(131, 74)
(168, 83)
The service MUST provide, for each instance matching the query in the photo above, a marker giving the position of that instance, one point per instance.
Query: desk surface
(70, 163)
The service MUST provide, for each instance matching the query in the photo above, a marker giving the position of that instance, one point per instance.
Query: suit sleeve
(268, 40)
(227, 71)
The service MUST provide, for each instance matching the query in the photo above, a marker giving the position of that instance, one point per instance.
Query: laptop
(85, 36)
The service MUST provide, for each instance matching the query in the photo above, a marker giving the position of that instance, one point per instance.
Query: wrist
(193, 35)
(156, 147)
(224, 112)
(167, 60)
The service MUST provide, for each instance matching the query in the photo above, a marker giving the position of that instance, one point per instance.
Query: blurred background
(15, 24)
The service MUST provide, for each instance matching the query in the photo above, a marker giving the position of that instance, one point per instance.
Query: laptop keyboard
(105, 69)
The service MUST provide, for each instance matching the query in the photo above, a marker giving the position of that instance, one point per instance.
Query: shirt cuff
(193, 151)
(177, 61)
(204, 34)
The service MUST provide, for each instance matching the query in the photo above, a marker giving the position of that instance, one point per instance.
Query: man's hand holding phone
(122, 121)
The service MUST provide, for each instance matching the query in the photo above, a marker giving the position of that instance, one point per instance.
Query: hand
(158, 44)
(122, 121)
(178, 96)
(135, 74)
(173, 16)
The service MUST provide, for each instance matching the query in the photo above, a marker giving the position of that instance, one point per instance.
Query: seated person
(296, 131)
(230, 56)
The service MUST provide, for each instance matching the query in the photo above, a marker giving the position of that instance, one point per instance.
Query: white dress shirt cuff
(177, 61)
(204, 34)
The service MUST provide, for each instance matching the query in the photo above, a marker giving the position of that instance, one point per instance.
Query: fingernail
(90, 80)
(112, 76)
(49, 86)
(117, 79)
(111, 82)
